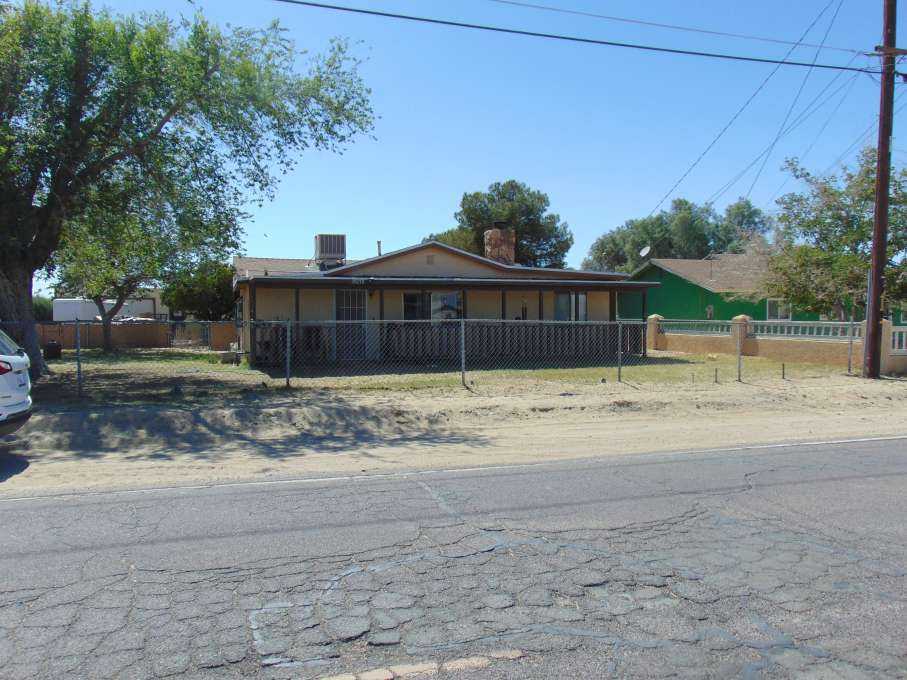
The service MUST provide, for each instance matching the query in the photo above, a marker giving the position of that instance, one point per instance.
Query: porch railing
(448, 342)
(695, 327)
(817, 330)
(899, 340)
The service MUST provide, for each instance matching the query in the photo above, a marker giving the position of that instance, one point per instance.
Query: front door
(351, 333)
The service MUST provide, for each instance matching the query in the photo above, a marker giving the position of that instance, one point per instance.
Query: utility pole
(889, 51)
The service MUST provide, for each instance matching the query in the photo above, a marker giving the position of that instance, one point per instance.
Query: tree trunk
(107, 316)
(17, 314)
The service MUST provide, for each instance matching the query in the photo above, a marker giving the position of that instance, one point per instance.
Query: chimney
(500, 244)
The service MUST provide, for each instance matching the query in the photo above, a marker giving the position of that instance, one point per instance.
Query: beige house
(430, 281)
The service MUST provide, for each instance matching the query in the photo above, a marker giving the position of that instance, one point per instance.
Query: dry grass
(197, 376)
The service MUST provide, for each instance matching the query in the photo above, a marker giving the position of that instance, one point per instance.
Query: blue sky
(604, 132)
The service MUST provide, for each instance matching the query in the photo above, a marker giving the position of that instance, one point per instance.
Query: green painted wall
(677, 298)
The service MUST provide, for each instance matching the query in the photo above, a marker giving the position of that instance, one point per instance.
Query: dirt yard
(373, 427)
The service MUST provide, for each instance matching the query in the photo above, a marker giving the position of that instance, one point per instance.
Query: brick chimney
(500, 245)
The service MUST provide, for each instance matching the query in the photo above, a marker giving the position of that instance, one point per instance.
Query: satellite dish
(645, 251)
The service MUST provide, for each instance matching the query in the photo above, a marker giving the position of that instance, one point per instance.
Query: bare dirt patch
(271, 434)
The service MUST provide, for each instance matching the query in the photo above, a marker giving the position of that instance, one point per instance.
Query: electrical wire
(737, 114)
(571, 38)
(808, 111)
(793, 104)
(869, 130)
(656, 24)
(809, 148)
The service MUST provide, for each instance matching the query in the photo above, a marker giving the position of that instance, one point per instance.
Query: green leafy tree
(542, 239)
(825, 237)
(44, 308)
(458, 237)
(741, 224)
(87, 97)
(686, 230)
(134, 233)
(204, 290)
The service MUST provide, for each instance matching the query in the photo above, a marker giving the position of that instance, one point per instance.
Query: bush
(44, 308)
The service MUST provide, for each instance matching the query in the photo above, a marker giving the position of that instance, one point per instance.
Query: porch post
(463, 313)
(575, 305)
(252, 329)
(612, 305)
(541, 305)
(503, 304)
(381, 304)
(296, 310)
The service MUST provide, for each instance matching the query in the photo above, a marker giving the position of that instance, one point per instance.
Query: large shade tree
(135, 234)
(85, 95)
(825, 237)
(542, 238)
(686, 230)
(204, 290)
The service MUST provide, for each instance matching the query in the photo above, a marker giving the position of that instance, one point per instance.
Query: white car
(15, 386)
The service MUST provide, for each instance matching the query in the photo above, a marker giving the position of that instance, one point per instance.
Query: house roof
(542, 272)
(264, 266)
(446, 282)
(260, 268)
(720, 273)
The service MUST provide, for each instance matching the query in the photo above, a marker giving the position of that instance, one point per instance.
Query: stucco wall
(316, 305)
(429, 262)
(483, 304)
(784, 349)
(598, 306)
(275, 304)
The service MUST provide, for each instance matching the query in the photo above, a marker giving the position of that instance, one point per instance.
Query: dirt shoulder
(275, 434)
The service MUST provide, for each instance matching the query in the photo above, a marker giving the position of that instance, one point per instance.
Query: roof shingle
(721, 273)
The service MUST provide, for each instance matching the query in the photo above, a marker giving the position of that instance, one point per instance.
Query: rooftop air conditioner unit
(330, 249)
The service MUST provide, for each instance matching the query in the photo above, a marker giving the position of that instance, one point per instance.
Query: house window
(435, 306)
(238, 312)
(710, 312)
(570, 307)
(777, 310)
(416, 306)
(445, 306)
(350, 305)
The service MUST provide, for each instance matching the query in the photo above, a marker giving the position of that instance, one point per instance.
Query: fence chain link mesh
(156, 360)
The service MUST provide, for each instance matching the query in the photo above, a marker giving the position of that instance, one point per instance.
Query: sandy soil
(274, 435)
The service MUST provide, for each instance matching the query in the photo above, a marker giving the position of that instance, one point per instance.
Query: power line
(739, 111)
(808, 111)
(571, 38)
(834, 112)
(793, 104)
(656, 24)
(861, 137)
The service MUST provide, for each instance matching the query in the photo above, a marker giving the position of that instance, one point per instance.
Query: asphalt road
(772, 562)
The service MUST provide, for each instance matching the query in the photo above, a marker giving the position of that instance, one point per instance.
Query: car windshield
(7, 345)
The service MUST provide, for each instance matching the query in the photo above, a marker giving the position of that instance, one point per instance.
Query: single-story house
(720, 286)
(430, 281)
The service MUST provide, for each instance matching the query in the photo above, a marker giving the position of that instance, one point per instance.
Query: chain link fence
(140, 361)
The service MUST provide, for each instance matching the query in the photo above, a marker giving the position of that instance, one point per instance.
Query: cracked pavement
(778, 562)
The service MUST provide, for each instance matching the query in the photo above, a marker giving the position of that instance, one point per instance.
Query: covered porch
(340, 320)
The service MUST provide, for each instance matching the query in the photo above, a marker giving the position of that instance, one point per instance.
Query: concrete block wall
(784, 349)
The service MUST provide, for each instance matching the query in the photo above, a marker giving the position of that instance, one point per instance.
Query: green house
(720, 286)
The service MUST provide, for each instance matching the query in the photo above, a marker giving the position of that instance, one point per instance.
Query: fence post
(78, 359)
(850, 345)
(740, 328)
(289, 348)
(463, 351)
(620, 350)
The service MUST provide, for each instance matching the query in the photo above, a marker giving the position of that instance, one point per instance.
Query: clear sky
(603, 131)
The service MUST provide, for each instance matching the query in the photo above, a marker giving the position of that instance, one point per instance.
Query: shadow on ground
(315, 422)
(11, 464)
